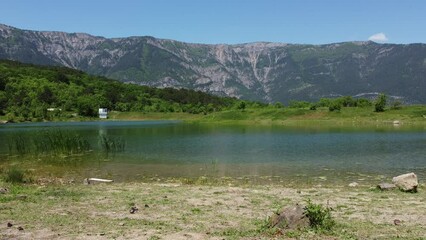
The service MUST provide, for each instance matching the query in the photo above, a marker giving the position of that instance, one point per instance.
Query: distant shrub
(363, 102)
(380, 103)
(278, 105)
(335, 106)
(299, 104)
(396, 105)
(241, 105)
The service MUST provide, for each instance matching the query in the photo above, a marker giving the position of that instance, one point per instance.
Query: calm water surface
(173, 149)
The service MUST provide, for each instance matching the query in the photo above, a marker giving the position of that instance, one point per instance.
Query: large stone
(290, 218)
(406, 182)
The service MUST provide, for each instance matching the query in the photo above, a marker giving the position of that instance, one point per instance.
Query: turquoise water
(174, 149)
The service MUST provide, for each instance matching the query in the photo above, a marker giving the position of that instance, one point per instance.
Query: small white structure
(103, 113)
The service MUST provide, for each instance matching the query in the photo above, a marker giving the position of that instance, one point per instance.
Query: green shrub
(15, 175)
(396, 105)
(299, 104)
(380, 103)
(319, 216)
(335, 106)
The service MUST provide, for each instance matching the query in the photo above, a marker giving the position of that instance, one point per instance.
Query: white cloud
(378, 37)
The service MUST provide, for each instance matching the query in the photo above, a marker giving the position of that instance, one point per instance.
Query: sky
(227, 21)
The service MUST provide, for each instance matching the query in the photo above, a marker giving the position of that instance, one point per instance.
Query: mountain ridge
(263, 71)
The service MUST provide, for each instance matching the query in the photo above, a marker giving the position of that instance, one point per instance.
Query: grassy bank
(176, 210)
(350, 116)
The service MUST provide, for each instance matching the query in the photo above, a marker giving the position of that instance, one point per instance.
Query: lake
(171, 149)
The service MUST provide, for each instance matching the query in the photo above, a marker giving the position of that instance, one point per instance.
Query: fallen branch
(90, 180)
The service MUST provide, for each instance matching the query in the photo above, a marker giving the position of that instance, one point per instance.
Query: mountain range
(261, 71)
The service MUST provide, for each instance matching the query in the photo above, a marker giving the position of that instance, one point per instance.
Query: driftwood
(93, 180)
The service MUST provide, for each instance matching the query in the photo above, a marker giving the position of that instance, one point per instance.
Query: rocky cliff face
(257, 71)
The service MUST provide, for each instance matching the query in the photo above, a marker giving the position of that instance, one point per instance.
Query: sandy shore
(197, 211)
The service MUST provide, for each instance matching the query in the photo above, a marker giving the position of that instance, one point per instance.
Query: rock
(291, 218)
(386, 186)
(353, 184)
(4, 190)
(21, 197)
(406, 182)
(86, 181)
(133, 210)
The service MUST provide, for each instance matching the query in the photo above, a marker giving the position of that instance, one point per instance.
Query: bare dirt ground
(187, 211)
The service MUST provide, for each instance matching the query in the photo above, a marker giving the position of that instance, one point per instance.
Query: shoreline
(199, 211)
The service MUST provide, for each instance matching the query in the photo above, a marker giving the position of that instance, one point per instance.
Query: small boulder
(133, 209)
(289, 218)
(353, 184)
(3, 190)
(386, 186)
(406, 182)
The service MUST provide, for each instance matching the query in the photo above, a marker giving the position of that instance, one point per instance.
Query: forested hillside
(28, 91)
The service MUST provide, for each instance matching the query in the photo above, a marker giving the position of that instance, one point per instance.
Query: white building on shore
(103, 113)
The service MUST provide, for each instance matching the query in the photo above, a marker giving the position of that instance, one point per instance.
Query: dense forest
(28, 92)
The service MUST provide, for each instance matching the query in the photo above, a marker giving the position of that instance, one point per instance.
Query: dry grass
(181, 211)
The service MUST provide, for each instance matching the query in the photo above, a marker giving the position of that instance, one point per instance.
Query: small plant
(111, 144)
(15, 175)
(319, 216)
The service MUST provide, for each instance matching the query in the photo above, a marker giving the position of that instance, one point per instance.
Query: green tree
(335, 106)
(87, 107)
(380, 103)
(241, 105)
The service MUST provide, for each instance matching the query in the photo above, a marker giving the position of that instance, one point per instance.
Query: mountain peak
(263, 71)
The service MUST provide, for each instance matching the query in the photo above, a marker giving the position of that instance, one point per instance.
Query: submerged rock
(290, 218)
(406, 182)
(3, 190)
(386, 186)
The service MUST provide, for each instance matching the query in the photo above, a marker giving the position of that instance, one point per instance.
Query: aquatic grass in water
(49, 142)
(19, 145)
(60, 142)
(113, 145)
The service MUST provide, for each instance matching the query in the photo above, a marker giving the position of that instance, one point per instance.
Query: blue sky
(227, 21)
